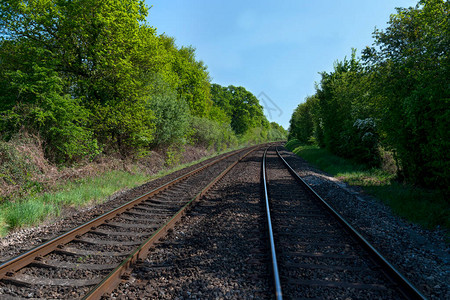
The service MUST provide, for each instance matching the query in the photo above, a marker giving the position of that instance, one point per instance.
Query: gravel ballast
(218, 252)
(21, 240)
(421, 255)
(198, 261)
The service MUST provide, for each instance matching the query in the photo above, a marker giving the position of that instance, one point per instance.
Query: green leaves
(303, 122)
(40, 107)
(411, 65)
(402, 87)
(92, 75)
(241, 107)
(171, 115)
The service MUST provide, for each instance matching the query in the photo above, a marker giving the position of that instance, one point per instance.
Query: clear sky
(275, 49)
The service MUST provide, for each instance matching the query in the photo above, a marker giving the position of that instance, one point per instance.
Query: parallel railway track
(93, 258)
(317, 253)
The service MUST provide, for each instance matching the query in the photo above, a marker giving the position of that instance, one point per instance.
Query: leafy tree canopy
(241, 106)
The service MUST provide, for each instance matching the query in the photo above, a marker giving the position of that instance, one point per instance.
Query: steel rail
(276, 276)
(16, 263)
(113, 279)
(405, 286)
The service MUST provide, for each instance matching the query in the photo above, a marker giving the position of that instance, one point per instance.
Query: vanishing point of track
(93, 258)
(315, 252)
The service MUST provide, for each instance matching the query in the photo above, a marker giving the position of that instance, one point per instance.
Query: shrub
(35, 101)
(276, 135)
(171, 118)
(254, 135)
(210, 134)
(17, 172)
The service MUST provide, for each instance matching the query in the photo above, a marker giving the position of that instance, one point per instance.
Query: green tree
(346, 112)
(92, 45)
(40, 107)
(276, 132)
(410, 63)
(190, 77)
(241, 106)
(172, 116)
(301, 123)
(194, 84)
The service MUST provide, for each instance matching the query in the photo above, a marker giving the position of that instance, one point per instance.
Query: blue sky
(275, 49)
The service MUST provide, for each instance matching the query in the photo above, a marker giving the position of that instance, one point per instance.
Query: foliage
(86, 75)
(301, 124)
(85, 47)
(338, 115)
(426, 207)
(194, 85)
(276, 132)
(241, 107)
(255, 135)
(34, 100)
(210, 134)
(16, 170)
(342, 104)
(396, 99)
(171, 116)
(411, 64)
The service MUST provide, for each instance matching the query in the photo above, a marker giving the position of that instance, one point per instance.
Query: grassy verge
(32, 210)
(29, 211)
(428, 208)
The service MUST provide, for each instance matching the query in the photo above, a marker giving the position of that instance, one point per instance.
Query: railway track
(316, 256)
(93, 258)
(315, 252)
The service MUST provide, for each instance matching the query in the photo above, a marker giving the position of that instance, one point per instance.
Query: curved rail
(276, 276)
(405, 286)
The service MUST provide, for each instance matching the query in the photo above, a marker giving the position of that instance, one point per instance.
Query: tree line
(393, 99)
(92, 76)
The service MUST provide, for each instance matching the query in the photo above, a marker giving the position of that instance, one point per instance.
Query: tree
(190, 77)
(92, 46)
(241, 106)
(276, 132)
(341, 115)
(301, 123)
(410, 63)
(40, 107)
(172, 115)
(194, 84)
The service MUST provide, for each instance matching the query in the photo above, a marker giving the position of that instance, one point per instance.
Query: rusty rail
(14, 264)
(112, 280)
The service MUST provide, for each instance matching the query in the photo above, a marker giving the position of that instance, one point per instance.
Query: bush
(17, 172)
(301, 125)
(365, 142)
(254, 135)
(276, 135)
(171, 118)
(35, 101)
(411, 65)
(210, 134)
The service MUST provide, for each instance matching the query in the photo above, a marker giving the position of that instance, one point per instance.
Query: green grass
(29, 211)
(428, 208)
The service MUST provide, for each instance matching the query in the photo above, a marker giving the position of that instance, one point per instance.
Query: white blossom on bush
(366, 128)
(365, 124)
